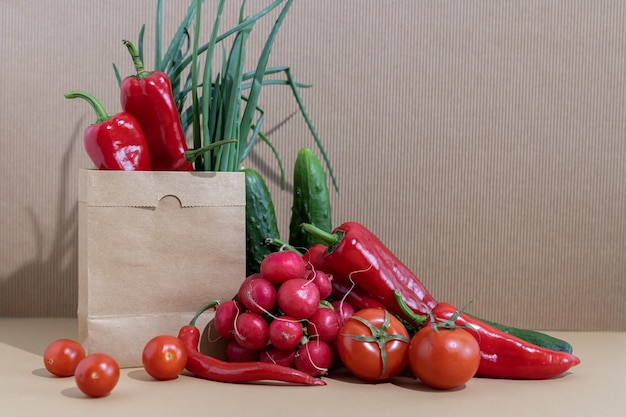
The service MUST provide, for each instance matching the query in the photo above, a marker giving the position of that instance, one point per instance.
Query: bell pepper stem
(101, 113)
(331, 239)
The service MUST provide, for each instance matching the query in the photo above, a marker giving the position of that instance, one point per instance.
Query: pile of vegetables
(327, 298)
(337, 299)
(185, 114)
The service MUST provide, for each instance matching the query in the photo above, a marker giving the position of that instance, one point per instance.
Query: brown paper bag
(153, 248)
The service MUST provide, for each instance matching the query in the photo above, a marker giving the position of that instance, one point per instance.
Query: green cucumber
(532, 336)
(260, 221)
(311, 200)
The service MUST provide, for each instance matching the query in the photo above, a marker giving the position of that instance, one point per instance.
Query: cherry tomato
(97, 374)
(444, 358)
(373, 344)
(61, 357)
(164, 357)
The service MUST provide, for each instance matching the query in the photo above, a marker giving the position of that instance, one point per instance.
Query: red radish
(323, 282)
(237, 353)
(251, 331)
(314, 357)
(278, 267)
(343, 310)
(298, 298)
(257, 295)
(314, 257)
(271, 354)
(285, 333)
(225, 315)
(323, 325)
(254, 276)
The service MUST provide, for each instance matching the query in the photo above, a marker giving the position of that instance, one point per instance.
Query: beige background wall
(482, 141)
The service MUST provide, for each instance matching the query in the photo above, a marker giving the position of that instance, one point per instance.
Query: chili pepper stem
(202, 309)
(134, 53)
(331, 239)
(101, 113)
(417, 319)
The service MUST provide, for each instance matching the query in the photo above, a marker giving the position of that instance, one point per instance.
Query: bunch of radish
(284, 315)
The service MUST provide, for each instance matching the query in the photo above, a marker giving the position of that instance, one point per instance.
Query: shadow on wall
(47, 285)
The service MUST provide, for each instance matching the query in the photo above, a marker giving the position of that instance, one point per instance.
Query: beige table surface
(597, 387)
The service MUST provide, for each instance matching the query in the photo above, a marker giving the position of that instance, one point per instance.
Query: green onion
(219, 106)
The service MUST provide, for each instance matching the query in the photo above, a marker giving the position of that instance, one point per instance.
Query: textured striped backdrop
(482, 141)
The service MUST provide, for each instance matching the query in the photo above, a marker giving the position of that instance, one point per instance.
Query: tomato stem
(436, 322)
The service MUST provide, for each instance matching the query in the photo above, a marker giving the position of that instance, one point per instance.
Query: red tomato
(97, 374)
(373, 344)
(61, 357)
(164, 357)
(444, 358)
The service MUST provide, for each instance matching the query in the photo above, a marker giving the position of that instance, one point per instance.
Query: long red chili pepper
(501, 355)
(354, 296)
(114, 142)
(148, 96)
(342, 288)
(214, 369)
(355, 252)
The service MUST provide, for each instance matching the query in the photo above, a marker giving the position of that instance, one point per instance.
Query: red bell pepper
(502, 355)
(148, 96)
(114, 142)
(355, 253)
